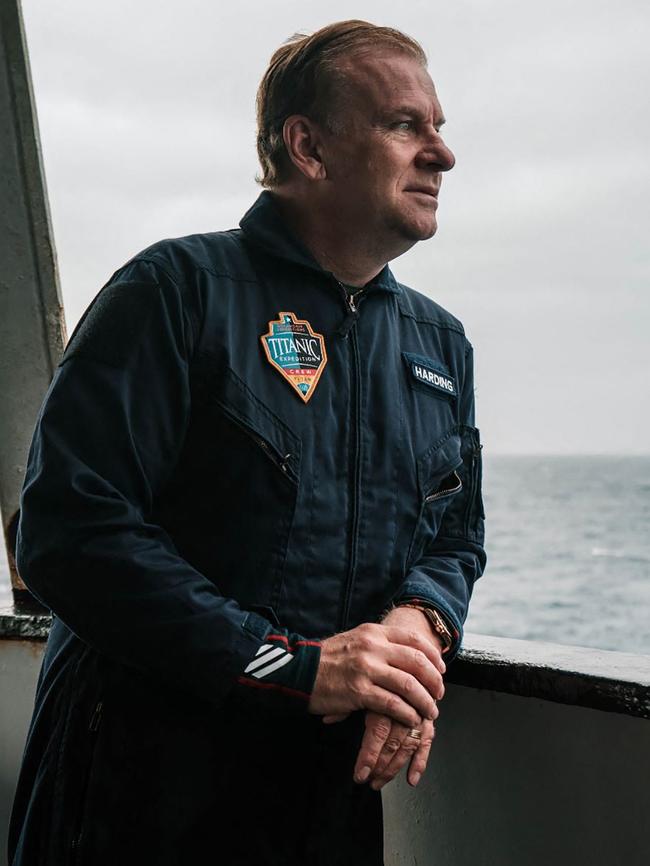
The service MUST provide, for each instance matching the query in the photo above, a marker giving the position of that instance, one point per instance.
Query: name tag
(430, 373)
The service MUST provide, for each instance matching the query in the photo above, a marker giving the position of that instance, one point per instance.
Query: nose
(435, 153)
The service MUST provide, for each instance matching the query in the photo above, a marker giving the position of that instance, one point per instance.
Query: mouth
(432, 193)
(428, 195)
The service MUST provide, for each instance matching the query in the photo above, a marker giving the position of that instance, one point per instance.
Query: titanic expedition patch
(296, 352)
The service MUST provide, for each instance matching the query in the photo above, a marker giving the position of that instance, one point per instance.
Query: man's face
(385, 166)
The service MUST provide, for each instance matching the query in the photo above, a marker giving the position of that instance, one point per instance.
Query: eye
(403, 125)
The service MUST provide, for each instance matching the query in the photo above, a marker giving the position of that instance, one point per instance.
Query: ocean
(568, 545)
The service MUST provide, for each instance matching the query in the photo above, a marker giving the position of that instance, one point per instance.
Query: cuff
(281, 670)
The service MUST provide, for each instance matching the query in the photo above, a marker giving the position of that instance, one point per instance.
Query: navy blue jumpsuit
(233, 462)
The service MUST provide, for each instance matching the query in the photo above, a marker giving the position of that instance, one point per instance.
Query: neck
(352, 257)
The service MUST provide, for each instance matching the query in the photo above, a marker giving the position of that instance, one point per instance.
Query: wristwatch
(436, 622)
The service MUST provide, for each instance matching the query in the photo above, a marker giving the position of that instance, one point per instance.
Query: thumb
(337, 717)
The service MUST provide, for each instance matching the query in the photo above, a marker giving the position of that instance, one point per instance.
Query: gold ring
(416, 733)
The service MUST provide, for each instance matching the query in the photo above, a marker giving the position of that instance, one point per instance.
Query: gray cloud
(147, 119)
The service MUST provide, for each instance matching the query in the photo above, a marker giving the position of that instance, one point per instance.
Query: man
(253, 502)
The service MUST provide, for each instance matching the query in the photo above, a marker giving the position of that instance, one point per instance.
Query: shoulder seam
(190, 314)
(155, 261)
(172, 276)
(450, 324)
(447, 326)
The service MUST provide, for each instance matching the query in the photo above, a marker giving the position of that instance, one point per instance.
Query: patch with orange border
(296, 352)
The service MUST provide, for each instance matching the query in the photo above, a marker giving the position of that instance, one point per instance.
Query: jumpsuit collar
(263, 225)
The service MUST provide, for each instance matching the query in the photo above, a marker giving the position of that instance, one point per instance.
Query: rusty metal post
(32, 325)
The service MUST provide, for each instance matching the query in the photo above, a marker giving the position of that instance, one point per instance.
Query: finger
(377, 731)
(388, 703)
(397, 742)
(398, 748)
(407, 688)
(386, 772)
(420, 759)
(411, 638)
(416, 663)
(415, 751)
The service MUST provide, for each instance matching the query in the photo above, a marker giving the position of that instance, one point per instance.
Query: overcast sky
(146, 112)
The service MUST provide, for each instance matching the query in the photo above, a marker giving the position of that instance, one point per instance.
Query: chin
(422, 232)
(413, 230)
(419, 226)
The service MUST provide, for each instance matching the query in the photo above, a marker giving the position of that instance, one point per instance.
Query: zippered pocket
(474, 511)
(244, 505)
(270, 434)
(92, 733)
(286, 462)
(432, 507)
(465, 519)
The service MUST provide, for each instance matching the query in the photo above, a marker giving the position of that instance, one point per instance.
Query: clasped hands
(393, 670)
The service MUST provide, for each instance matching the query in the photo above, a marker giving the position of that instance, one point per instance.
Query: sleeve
(107, 438)
(444, 575)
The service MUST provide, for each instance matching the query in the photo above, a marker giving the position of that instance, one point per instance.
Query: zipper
(431, 497)
(93, 727)
(352, 301)
(278, 459)
(96, 718)
(281, 461)
(447, 490)
(472, 487)
(356, 473)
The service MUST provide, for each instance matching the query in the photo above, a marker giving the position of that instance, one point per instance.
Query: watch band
(436, 622)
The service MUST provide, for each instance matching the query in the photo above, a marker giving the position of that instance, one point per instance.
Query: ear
(302, 139)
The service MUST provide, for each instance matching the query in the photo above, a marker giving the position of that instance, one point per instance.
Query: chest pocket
(449, 486)
(247, 465)
(256, 421)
